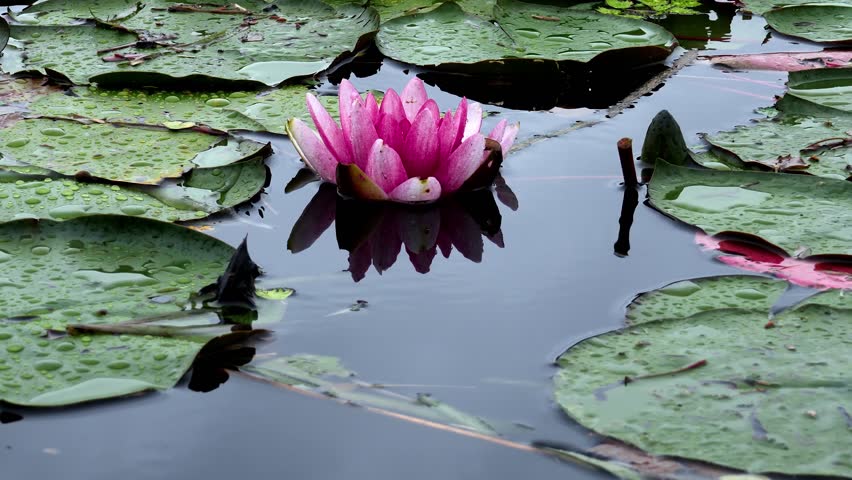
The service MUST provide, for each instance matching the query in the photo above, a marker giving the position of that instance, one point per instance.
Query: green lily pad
(814, 22)
(328, 376)
(518, 32)
(824, 92)
(96, 271)
(266, 110)
(164, 42)
(798, 213)
(124, 153)
(793, 143)
(719, 387)
(760, 7)
(689, 297)
(204, 192)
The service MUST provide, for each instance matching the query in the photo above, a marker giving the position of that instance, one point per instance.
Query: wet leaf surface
(118, 152)
(165, 42)
(824, 93)
(689, 297)
(800, 214)
(204, 192)
(521, 33)
(817, 23)
(719, 386)
(97, 271)
(789, 142)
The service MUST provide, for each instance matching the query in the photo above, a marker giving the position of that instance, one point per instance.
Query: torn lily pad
(801, 214)
(720, 387)
(193, 41)
(124, 153)
(97, 271)
(521, 33)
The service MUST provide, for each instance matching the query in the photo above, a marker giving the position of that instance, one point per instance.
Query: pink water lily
(403, 149)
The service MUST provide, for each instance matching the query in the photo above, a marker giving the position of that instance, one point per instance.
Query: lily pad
(760, 7)
(205, 192)
(689, 297)
(519, 32)
(265, 110)
(720, 387)
(826, 92)
(255, 42)
(800, 214)
(787, 142)
(125, 153)
(96, 271)
(814, 22)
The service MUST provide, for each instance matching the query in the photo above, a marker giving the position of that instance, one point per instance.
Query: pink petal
(330, 133)
(312, 149)
(497, 132)
(363, 134)
(415, 190)
(447, 129)
(509, 137)
(460, 120)
(420, 150)
(413, 98)
(393, 124)
(372, 108)
(474, 120)
(385, 167)
(462, 163)
(346, 97)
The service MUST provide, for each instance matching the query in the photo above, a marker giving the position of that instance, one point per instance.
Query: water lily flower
(403, 149)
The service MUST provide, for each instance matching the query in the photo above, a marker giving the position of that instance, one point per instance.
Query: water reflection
(376, 233)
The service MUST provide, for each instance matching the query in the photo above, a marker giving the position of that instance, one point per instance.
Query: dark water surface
(480, 336)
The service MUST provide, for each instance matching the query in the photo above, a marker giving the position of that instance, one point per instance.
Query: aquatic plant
(401, 150)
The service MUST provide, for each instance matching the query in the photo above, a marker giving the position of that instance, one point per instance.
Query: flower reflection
(376, 233)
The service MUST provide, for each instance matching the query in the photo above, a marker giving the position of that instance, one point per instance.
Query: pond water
(477, 334)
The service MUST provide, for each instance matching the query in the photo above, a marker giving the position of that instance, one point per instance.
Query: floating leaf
(817, 23)
(762, 6)
(205, 192)
(720, 387)
(125, 153)
(519, 32)
(793, 143)
(164, 42)
(824, 93)
(688, 297)
(266, 110)
(97, 271)
(793, 212)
